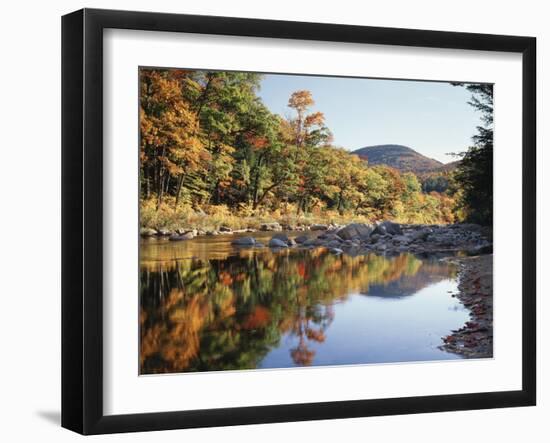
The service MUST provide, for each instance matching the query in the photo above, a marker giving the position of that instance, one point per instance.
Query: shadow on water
(206, 306)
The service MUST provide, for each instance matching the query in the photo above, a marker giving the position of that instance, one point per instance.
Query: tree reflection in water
(206, 314)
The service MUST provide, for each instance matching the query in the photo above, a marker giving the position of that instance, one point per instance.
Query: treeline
(208, 145)
(474, 174)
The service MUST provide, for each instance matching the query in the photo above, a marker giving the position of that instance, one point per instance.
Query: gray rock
(401, 239)
(318, 227)
(354, 230)
(212, 233)
(312, 242)
(333, 244)
(274, 226)
(225, 229)
(244, 241)
(147, 232)
(330, 236)
(388, 227)
(164, 232)
(258, 245)
(276, 243)
(374, 238)
(281, 236)
(421, 234)
(291, 242)
(178, 237)
(336, 251)
(301, 239)
(470, 227)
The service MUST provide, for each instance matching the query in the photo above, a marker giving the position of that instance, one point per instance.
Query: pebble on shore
(475, 338)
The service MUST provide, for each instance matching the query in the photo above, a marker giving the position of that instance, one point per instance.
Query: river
(206, 305)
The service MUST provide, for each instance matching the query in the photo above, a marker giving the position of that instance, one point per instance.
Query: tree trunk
(256, 185)
(264, 194)
(159, 198)
(340, 200)
(178, 191)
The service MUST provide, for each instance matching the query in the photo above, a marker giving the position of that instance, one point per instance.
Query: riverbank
(355, 238)
(475, 338)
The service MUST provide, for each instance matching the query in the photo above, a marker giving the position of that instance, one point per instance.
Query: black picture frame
(82, 218)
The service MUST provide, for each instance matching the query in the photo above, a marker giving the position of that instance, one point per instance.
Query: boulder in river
(244, 241)
(176, 237)
(276, 243)
(420, 234)
(403, 239)
(147, 232)
(333, 244)
(282, 237)
(312, 242)
(388, 227)
(301, 239)
(354, 230)
(374, 238)
(164, 232)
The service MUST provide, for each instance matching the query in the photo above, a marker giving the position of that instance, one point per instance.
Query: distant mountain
(402, 158)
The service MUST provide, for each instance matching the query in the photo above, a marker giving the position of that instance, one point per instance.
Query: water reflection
(205, 306)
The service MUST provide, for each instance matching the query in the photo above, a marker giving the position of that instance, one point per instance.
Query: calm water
(205, 305)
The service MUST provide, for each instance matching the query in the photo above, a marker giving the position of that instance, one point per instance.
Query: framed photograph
(270, 221)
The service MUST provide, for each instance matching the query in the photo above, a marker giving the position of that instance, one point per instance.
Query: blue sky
(431, 117)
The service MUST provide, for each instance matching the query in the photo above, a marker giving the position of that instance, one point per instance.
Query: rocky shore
(356, 238)
(475, 338)
(383, 238)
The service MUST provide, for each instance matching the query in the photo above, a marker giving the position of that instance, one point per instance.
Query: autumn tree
(209, 143)
(307, 132)
(168, 126)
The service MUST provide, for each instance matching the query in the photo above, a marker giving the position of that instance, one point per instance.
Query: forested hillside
(212, 154)
(400, 157)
